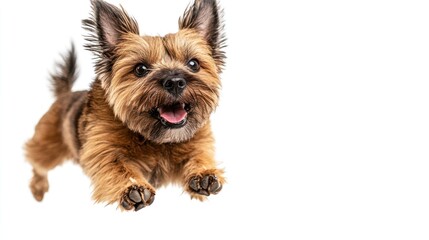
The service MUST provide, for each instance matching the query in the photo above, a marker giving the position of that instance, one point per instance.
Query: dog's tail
(66, 74)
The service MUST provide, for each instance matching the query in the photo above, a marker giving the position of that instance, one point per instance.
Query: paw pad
(137, 197)
(205, 185)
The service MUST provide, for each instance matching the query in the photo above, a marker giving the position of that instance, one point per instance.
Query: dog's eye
(141, 70)
(194, 65)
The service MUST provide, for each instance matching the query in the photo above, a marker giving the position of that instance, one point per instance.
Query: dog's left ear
(205, 17)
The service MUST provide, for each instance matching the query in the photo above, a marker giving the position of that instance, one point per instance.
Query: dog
(144, 122)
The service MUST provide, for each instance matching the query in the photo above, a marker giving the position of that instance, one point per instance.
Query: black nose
(175, 85)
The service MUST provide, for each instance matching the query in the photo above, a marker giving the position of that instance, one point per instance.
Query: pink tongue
(173, 114)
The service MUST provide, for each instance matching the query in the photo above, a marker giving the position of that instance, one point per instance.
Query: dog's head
(165, 88)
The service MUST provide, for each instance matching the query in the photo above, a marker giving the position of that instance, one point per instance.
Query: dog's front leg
(202, 178)
(115, 175)
(200, 175)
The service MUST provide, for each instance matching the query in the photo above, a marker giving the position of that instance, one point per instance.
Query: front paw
(205, 184)
(137, 197)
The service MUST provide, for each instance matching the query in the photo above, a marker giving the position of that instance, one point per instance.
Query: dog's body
(145, 120)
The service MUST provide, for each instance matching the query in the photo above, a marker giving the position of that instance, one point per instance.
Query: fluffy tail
(62, 80)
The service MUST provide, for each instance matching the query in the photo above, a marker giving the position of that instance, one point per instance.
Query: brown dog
(145, 120)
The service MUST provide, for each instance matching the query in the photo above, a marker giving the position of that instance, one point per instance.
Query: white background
(323, 125)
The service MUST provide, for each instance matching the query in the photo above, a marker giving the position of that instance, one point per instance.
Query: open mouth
(174, 115)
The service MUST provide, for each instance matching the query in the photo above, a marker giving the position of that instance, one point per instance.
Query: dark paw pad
(137, 197)
(205, 185)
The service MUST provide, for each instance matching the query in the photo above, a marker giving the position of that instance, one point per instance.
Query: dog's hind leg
(46, 149)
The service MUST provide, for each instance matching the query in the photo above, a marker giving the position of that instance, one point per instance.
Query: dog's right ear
(106, 26)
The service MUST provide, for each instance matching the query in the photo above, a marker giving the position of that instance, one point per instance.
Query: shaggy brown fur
(145, 120)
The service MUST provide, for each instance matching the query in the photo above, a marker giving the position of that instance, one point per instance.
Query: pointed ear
(205, 17)
(106, 26)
